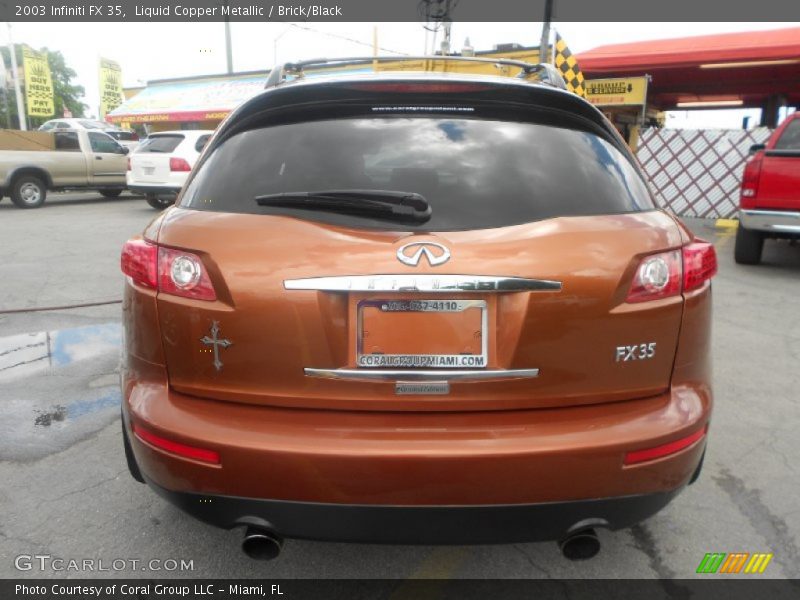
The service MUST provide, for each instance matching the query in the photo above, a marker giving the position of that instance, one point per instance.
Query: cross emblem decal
(216, 343)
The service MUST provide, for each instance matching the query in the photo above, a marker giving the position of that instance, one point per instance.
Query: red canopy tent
(750, 69)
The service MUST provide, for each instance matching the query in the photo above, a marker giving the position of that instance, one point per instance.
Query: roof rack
(547, 73)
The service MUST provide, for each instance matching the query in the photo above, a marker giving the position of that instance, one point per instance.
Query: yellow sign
(617, 92)
(38, 83)
(110, 86)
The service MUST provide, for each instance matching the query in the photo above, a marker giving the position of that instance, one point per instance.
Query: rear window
(125, 136)
(790, 138)
(160, 143)
(92, 124)
(475, 173)
(67, 141)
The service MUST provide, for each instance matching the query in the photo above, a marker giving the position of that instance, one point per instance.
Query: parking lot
(66, 491)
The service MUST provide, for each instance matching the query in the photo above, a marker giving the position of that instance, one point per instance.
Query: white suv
(125, 137)
(162, 162)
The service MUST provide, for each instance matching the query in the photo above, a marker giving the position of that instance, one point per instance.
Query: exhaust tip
(261, 544)
(581, 545)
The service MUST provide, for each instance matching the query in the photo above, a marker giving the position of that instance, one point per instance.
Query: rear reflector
(177, 448)
(639, 456)
(138, 261)
(699, 264)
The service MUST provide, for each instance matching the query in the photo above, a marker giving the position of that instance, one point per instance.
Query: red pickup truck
(769, 204)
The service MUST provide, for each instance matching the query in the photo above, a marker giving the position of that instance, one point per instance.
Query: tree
(65, 94)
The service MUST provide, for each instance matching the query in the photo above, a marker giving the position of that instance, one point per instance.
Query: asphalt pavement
(66, 492)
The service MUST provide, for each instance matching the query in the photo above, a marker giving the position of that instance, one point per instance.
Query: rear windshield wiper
(381, 204)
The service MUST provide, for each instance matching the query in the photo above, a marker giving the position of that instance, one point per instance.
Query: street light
(275, 44)
(228, 49)
(15, 75)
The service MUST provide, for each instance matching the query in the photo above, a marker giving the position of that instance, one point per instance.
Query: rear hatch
(779, 182)
(512, 294)
(150, 163)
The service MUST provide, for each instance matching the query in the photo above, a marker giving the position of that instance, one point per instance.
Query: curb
(726, 223)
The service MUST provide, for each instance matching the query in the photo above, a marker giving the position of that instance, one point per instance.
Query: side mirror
(756, 148)
(125, 150)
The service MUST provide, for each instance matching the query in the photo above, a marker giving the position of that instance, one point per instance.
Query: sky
(148, 51)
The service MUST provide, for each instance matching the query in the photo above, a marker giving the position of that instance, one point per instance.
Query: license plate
(149, 170)
(422, 334)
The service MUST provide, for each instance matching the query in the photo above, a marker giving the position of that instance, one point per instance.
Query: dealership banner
(38, 83)
(110, 86)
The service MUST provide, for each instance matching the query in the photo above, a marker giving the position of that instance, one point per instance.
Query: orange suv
(417, 308)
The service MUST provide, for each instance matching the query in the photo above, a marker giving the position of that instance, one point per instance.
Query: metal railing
(547, 73)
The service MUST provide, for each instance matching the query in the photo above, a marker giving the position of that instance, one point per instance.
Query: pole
(228, 49)
(15, 76)
(275, 44)
(4, 85)
(374, 47)
(545, 41)
(445, 48)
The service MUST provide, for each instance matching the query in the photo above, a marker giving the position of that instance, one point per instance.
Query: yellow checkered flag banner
(568, 66)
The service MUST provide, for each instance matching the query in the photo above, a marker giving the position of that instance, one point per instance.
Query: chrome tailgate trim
(422, 283)
(421, 375)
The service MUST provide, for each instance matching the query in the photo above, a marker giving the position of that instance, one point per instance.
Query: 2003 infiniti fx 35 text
(417, 308)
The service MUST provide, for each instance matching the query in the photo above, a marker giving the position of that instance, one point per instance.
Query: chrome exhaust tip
(261, 544)
(580, 545)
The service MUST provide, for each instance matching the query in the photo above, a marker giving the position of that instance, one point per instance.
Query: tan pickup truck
(32, 165)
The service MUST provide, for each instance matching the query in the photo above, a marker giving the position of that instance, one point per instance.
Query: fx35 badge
(636, 352)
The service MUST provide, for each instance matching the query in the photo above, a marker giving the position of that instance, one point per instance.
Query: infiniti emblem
(411, 254)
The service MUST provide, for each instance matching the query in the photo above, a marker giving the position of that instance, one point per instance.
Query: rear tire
(111, 193)
(28, 191)
(160, 202)
(749, 245)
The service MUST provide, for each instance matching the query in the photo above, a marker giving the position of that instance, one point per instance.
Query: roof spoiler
(545, 72)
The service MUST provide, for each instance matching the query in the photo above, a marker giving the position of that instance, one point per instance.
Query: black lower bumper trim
(481, 524)
(153, 189)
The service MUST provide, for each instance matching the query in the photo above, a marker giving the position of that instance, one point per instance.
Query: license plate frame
(423, 361)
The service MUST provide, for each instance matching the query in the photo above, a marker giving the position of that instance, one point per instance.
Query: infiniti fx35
(416, 308)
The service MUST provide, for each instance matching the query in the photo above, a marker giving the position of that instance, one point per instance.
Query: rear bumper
(771, 221)
(369, 475)
(154, 189)
(484, 524)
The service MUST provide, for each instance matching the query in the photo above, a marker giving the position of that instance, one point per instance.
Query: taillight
(168, 270)
(750, 178)
(179, 164)
(658, 276)
(138, 261)
(129, 163)
(671, 273)
(699, 264)
(134, 137)
(181, 273)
